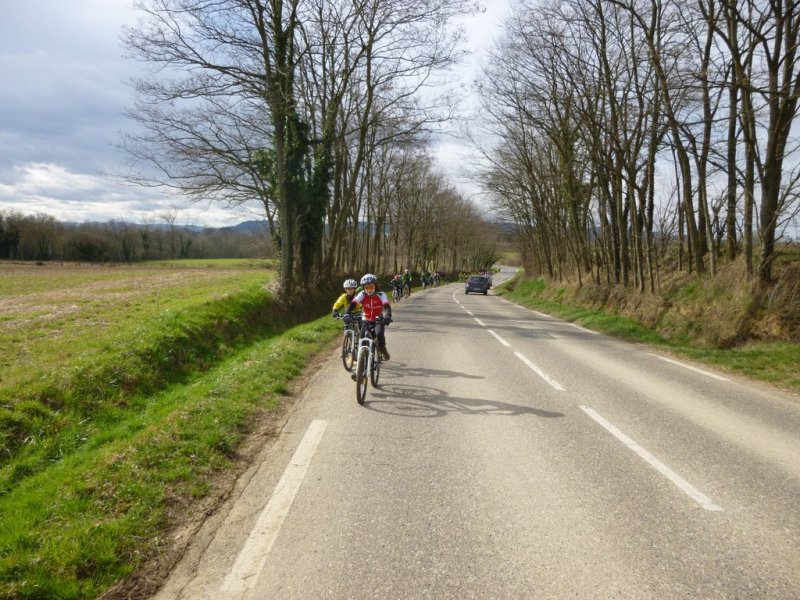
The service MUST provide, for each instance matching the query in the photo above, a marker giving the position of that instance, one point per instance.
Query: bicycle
(396, 295)
(406, 290)
(349, 343)
(369, 360)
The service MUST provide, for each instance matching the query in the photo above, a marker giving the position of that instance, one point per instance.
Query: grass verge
(82, 524)
(124, 397)
(47, 417)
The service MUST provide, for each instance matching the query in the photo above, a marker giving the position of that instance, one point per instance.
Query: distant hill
(248, 227)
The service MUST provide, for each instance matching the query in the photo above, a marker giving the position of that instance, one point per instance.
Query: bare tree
(284, 101)
(170, 218)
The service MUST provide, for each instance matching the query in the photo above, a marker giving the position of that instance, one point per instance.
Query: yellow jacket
(342, 302)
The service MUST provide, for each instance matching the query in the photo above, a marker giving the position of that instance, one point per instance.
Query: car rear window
(478, 279)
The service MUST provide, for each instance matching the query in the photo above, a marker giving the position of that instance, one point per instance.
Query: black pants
(378, 332)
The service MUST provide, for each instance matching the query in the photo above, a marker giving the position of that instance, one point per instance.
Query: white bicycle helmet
(369, 278)
(350, 283)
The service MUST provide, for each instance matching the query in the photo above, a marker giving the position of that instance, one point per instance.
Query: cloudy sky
(62, 99)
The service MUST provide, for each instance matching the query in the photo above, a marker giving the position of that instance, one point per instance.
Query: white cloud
(62, 102)
(454, 152)
(77, 197)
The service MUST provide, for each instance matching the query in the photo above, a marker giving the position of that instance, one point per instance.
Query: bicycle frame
(368, 363)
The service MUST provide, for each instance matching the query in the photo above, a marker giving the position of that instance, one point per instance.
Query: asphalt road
(507, 454)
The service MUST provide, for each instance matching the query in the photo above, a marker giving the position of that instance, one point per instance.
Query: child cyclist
(406, 278)
(374, 303)
(344, 300)
(397, 288)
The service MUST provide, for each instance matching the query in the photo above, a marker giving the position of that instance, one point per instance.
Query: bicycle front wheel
(362, 375)
(375, 368)
(348, 349)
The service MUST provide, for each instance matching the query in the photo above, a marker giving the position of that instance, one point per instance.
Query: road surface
(508, 454)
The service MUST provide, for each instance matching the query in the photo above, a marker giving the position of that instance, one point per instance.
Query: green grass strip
(51, 416)
(76, 528)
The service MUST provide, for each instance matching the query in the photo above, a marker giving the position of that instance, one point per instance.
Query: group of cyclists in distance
(401, 284)
(363, 302)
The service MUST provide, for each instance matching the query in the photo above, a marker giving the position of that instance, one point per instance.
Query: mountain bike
(406, 290)
(368, 364)
(350, 343)
(396, 295)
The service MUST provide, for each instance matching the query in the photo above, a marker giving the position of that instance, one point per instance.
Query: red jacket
(371, 306)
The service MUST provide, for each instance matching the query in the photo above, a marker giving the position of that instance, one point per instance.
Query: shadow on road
(407, 370)
(422, 402)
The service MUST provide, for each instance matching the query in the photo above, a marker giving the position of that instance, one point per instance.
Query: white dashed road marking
(539, 372)
(499, 339)
(532, 366)
(687, 488)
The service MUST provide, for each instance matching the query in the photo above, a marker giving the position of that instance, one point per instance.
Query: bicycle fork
(365, 346)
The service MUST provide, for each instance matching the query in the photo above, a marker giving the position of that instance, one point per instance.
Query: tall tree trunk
(730, 217)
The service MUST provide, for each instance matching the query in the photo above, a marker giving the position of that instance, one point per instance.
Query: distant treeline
(42, 237)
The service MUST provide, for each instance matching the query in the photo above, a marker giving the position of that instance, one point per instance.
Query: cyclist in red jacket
(374, 304)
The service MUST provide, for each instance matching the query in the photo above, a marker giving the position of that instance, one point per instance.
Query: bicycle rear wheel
(362, 375)
(348, 349)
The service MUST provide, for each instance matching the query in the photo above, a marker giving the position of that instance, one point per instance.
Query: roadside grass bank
(126, 394)
(81, 350)
(714, 321)
(78, 527)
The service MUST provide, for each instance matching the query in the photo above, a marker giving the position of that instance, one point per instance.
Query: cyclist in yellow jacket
(341, 304)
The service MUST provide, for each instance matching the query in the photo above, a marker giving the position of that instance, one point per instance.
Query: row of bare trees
(41, 237)
(629, 127)
(317, 109)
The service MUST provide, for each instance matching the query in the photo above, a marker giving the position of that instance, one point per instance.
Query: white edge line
(583, 329)
(685, 486)
(539, 372)
(253, 556)
(481, 323)
(690, 367)
(499, 339)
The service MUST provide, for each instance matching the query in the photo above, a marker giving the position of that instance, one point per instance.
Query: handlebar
(353, 318)
(361, 320)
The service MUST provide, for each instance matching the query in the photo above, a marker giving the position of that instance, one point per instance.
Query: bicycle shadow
(422, 402)
(407, 370)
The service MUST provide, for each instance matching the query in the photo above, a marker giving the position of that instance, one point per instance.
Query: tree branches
(594, 100)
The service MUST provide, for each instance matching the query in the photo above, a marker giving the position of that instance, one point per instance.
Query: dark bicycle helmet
(369, 278)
